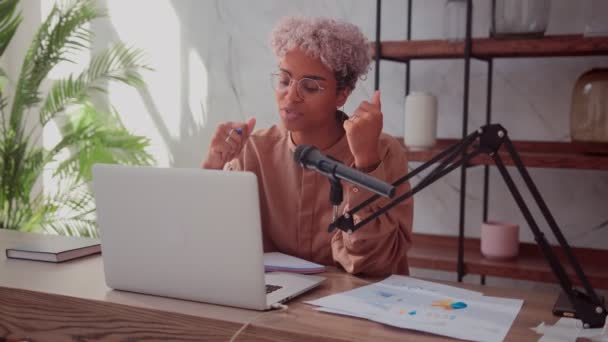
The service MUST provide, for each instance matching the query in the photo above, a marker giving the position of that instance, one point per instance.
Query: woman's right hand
(227, 143)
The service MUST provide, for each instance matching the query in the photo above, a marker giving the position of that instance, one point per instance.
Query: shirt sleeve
(379, 247)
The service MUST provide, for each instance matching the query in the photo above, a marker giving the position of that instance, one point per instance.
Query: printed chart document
(415, 304)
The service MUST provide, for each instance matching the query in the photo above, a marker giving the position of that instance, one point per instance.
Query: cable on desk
(279, 306)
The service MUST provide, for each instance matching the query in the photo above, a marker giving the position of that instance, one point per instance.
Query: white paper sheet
(410, 303)
(568, 330)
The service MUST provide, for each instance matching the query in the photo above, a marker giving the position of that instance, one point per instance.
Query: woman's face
(306, 92)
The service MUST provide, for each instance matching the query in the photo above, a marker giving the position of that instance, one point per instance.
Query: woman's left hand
(363, 130)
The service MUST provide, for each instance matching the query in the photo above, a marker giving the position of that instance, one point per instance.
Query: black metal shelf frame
(465, 112)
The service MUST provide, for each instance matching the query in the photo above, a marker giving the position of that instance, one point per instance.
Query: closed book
(54, 248)
(279, 262)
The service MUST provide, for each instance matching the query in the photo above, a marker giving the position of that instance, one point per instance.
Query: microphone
(310, 157)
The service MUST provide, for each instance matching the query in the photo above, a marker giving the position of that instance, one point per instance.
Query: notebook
(54, 248)
(279, 262)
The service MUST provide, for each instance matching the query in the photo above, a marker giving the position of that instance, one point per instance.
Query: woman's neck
(321, 137)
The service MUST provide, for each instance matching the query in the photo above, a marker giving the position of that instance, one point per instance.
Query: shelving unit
(564, 155)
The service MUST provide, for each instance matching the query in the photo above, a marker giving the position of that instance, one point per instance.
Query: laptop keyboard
(272, 288)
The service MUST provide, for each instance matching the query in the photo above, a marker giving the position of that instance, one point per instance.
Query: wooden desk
(56, 302)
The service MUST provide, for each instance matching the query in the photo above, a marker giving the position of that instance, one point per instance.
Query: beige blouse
(296, 210)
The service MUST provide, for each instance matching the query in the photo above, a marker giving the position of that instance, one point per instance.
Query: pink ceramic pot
(499, 240)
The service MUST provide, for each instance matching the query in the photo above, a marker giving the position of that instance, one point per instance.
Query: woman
(320, 61)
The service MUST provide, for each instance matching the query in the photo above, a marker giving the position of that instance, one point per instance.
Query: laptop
(189, 234)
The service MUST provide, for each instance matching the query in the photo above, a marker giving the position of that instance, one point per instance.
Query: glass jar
(589, 111)
(519, 18)
(455, 20)
(596, 14)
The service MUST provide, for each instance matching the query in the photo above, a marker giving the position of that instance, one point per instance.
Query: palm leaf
(3, 81)
(3, 101)
(97, 137)
(25, 214)
(74, 211)
(63, 31)
(29, 220)
(9, 21)
(118, 63)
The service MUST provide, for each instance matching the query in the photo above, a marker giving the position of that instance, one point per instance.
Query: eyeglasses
(305, 87)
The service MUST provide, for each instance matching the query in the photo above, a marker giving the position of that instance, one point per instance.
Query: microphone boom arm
(488, 139)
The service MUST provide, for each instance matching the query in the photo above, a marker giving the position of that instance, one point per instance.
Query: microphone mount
(488, 139)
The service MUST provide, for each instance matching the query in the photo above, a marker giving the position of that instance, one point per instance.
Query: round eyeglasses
(305, 87)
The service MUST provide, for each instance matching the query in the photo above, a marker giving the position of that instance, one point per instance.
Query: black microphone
(310, 157)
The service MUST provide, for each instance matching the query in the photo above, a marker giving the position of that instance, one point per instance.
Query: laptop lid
(183, 233)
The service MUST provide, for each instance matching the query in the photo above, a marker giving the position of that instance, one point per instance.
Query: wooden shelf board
(540, 154)
(484, 48)
(439, 252)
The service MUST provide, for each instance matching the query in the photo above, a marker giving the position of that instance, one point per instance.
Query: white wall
(212, 60)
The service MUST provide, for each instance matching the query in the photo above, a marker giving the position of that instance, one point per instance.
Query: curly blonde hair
(340, 46)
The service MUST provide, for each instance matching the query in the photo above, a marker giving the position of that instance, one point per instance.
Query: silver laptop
(189, 234)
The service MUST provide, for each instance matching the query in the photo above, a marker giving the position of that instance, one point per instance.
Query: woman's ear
(343, 96)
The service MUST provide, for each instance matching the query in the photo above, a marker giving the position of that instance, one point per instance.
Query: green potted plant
(88, 134)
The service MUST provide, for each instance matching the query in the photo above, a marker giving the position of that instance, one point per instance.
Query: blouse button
(355, 189)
